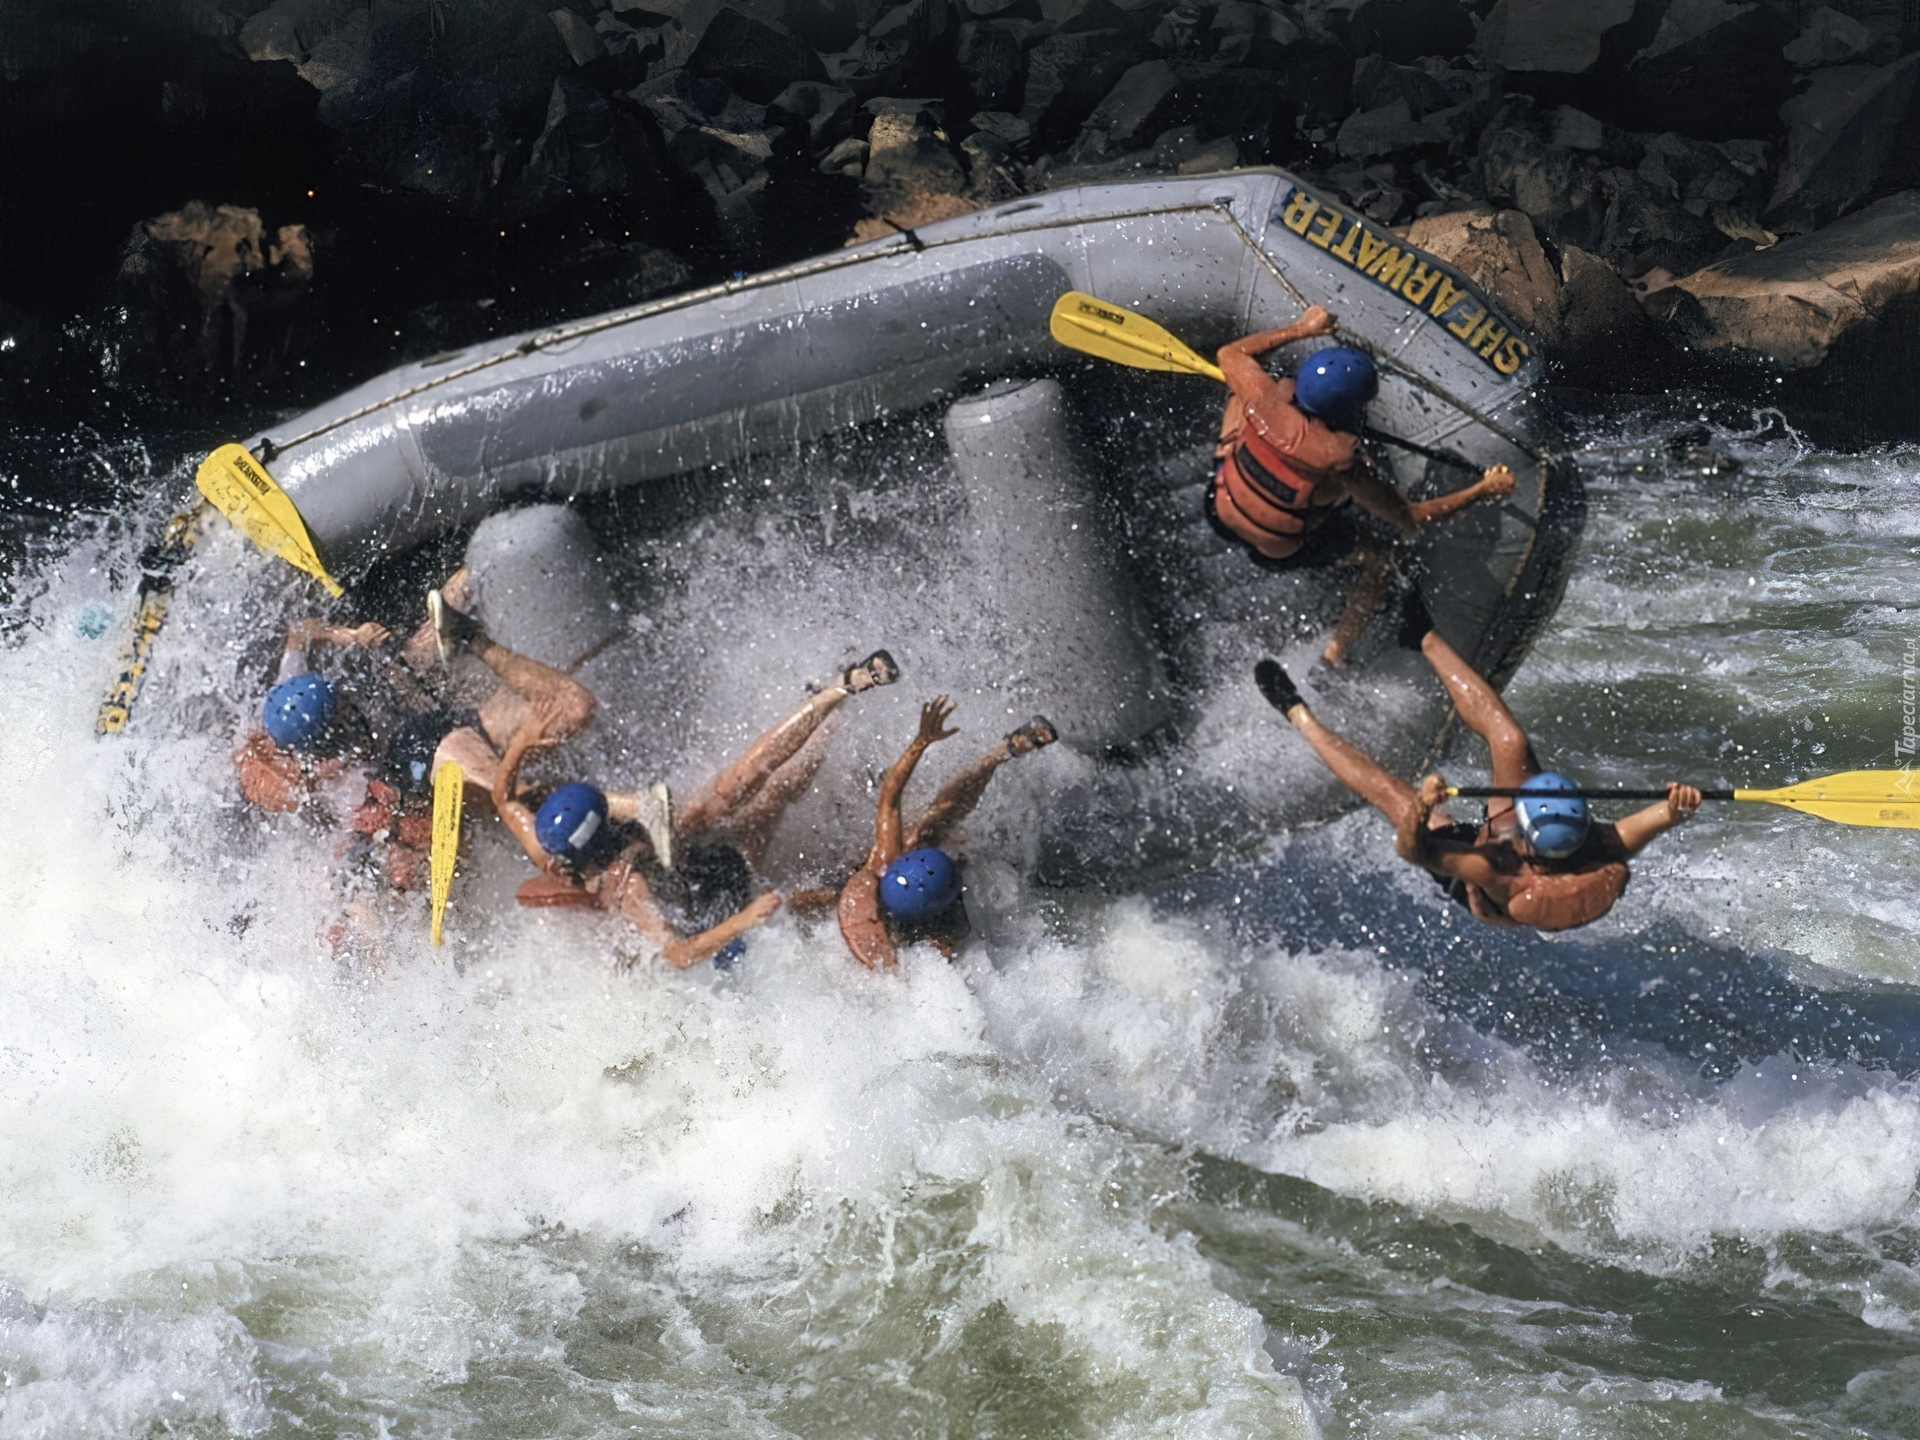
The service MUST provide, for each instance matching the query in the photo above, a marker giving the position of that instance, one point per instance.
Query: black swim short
(409, 756)
(1466, 833)
(1329, 542)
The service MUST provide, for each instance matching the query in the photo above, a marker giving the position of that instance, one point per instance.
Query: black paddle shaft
(1508, 792)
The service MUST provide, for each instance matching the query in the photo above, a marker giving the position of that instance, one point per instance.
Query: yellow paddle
(449, 787)
(239, 487)
(1853, 797)
(1083, 323)
(1100, 328)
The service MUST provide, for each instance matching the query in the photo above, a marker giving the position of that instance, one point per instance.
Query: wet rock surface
(1834, 316)
(455, 170)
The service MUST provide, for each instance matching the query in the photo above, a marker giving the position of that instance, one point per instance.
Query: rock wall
(461, 167)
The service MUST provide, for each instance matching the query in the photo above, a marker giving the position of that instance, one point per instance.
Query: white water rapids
(1270, 1155)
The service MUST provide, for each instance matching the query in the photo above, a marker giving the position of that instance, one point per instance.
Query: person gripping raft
(683, 879)
(909, 887)
(366, 747)
(1288, 455)
(1539, 860)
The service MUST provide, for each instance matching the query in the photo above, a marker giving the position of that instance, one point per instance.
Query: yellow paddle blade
(449, 787)
(1094, 327)
(1853, 797)
(239, 487)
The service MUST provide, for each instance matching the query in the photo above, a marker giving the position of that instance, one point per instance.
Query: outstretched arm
(1495, 483)
(303, 635)
(1642, 826)
(887, 825)
(1379, 498)
(1240, 359)
(680, 952)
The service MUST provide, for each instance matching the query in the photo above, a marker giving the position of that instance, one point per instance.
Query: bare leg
(419, 652)
(960, 794)
(468, 748)
(528, 682)
(1487, 716)
(956, 799)
(1363, 603)
(1356, 770)
(751, 827)
(729, 791)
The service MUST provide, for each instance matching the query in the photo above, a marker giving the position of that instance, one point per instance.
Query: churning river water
(1282, 1147)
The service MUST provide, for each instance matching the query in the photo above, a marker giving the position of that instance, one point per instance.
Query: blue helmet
(1335, 385)
(569, 819)
(298, 712)
(1555, 824)
(920, 883)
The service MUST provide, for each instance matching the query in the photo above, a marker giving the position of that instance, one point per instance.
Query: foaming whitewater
(1281, 1147)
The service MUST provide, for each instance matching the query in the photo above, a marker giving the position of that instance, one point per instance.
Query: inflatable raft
(955, 317)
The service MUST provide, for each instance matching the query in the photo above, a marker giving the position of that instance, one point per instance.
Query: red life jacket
(1259, 460)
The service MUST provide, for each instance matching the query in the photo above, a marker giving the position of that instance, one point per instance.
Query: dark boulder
(756, 59)
(629, 51)
(1394, 102)
(1401, 30)
(827, 114)
(1246, 34)
(904, 52)
(1893, 24)
(1011, 130)
(1645, 229)
(1138, 107)
(1377, 82)
(1134, 19)
(1565, 191)
(846, 158)
(1850, 128)
(1550, 36)
(1830, 38)
(1726, 183)
(1381, 192)
(828, 25)
(1715, 70)
(584, 148)
(426, 108)
(992, 55)
(720, 140)
(1835, 315)
(1066, 77)
(1389, 130)
(577, 33)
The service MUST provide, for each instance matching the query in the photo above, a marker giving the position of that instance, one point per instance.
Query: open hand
(1682, 801)
(760, 909)
(1433, 790)
(1497, 482)
(366, 636)
(933, 716)
(1317, 321)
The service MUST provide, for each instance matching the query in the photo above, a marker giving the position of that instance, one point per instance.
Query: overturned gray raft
(935, 317)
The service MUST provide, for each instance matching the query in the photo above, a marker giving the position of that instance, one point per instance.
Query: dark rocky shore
(230, 200)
